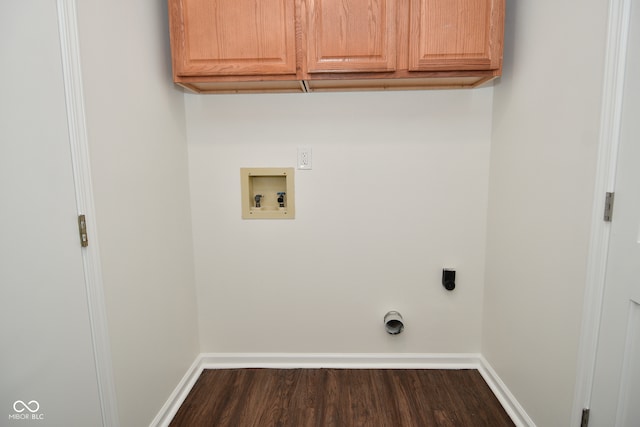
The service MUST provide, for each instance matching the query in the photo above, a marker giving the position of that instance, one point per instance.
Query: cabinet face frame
(201, 48)
(342, 39)
(456, 35)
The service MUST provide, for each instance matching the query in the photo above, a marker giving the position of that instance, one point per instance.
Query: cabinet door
(456, 35)
(233, 37)
(350, 35)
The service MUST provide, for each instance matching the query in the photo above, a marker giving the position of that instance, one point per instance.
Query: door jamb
(79, 146)
(609, 140)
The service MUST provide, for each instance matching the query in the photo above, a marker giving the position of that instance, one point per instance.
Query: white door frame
(79, 146)
(609, 140)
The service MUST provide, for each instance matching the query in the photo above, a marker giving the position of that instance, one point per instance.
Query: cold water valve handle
(281, 199)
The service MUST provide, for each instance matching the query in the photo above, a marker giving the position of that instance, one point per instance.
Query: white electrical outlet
(304, 158)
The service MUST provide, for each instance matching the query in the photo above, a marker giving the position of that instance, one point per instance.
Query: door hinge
(584, 422)
(82, 229)
(608, 207)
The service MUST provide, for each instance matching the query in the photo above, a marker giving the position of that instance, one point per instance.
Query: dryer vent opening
(393, 322)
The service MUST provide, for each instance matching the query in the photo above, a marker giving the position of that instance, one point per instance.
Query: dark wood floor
(341, 398)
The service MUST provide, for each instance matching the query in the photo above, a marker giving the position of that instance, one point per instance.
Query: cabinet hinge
(584, 422)
(608, 207)
(82, 229)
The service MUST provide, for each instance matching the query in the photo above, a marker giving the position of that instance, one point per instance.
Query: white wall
(398, 191)
(137, 139)
(544, 143)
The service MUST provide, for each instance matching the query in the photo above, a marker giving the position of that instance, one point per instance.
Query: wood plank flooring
(341, 398)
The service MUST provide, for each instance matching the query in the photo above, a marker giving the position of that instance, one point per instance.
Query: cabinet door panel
(233, 37)
(351, 35)
(456, 34)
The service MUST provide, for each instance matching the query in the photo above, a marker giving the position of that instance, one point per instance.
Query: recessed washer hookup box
(267, 193)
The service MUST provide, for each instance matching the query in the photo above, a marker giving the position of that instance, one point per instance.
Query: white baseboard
(506, 399)
(342, 361)
(339, 360)
(171, 406)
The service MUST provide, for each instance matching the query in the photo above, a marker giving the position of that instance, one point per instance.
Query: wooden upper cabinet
(350, 35)
(455, 35)
(222, 46)
(232, 37)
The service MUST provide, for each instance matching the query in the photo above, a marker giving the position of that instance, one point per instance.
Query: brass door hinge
(584, 422)
(82, 229)
(608, 207)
